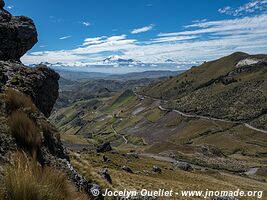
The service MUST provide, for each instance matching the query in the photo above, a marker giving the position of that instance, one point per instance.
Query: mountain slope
(228, 88)
(148, 127)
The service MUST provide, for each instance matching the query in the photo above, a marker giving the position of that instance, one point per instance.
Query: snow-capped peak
(115, 59)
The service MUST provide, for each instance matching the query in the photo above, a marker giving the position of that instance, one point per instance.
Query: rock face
(2, 4)
(17, 35)
(40, 83)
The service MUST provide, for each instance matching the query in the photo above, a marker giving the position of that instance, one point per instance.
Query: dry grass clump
(47, 131)
(25, 132)
(26, 180)
(16, 100)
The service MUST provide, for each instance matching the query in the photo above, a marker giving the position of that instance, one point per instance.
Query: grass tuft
(25, 132)
(16, 100)
(47, 131)
(26, 180)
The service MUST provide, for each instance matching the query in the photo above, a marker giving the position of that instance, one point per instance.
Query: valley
(183, 132)
(136, 100)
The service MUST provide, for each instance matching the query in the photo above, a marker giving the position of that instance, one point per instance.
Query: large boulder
(183, 166)
(104, 147)
(17, 35)
(156, 169)
(127, 169)
(105, 175)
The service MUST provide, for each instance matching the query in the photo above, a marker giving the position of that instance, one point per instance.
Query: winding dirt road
(199, 116)
(113, 129)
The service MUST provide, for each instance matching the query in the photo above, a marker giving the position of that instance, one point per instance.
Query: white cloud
(143, 29)
(65, 37)
(224, 10)
(199, 41)
(96, 40)
(116, 38)
(10, 7)
(242, 25)
(172, 39)
(86, 23)
(250, 7)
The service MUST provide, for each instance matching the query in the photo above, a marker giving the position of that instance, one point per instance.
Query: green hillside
(219, 89)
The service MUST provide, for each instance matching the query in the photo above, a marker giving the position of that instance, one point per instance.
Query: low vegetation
(171, 177)
(47, 132)
(16, 100)
(26, 180)
(24, 130)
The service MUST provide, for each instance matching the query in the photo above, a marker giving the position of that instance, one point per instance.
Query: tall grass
(25, 132)
(16, 100)
(26, 180)
(47, 131)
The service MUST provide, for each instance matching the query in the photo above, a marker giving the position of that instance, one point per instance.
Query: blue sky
(83, 32)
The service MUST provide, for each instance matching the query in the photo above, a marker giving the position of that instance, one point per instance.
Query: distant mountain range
(118, 65)
(110, 60)
(116, 60)
(145, 74)
(84, 76)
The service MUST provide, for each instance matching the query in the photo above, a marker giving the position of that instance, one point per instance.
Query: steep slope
(233, 87)
(33, 161)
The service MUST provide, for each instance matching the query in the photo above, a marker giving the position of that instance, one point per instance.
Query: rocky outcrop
(93, 190)
(17, 35)
(156, 169)
(40, 83)
(2, 4)
(105, 175)
(105, 147)
(127, 169)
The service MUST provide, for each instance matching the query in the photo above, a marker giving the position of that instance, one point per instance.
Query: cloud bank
(202, 40)
(251, 7)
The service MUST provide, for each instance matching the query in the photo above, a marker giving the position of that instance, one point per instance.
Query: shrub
(25, 132)
(16, 100)
(26, 180)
